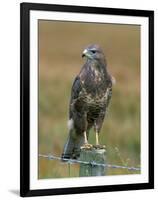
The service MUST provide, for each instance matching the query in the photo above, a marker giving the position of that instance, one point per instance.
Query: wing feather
(76, 88)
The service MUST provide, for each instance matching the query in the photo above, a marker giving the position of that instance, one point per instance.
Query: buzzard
(90, 96)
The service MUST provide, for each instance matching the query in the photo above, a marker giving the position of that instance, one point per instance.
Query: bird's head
(93, 52)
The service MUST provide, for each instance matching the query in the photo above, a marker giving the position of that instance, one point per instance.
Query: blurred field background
(60, 48)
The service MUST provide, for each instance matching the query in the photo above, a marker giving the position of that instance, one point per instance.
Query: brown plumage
(90, 96)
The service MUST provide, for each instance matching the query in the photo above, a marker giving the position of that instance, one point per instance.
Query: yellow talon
(87, 146)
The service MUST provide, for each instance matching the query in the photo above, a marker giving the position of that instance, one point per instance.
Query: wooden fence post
(93, 155)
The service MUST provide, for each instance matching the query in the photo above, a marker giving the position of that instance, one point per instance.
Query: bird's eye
(93, 51)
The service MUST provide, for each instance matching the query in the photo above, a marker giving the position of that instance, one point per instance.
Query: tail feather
(72, 147)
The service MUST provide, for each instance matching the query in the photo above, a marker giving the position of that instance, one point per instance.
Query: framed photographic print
(87, 99)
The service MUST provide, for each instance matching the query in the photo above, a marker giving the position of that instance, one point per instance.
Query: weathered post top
(93, 155)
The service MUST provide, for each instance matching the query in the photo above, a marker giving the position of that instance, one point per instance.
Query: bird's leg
(86, 145)
(97, 137)
(85, 137)
(97, 140)
(97, 127)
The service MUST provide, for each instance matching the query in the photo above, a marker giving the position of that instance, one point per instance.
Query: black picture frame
(25, 9)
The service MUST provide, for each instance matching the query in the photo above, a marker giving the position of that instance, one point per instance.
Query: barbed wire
(93, 163)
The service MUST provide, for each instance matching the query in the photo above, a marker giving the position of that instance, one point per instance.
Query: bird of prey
(90, 96)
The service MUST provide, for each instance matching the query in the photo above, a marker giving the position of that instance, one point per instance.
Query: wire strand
(93, 163)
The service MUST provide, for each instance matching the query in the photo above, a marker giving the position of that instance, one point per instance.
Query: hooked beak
(85, 53)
